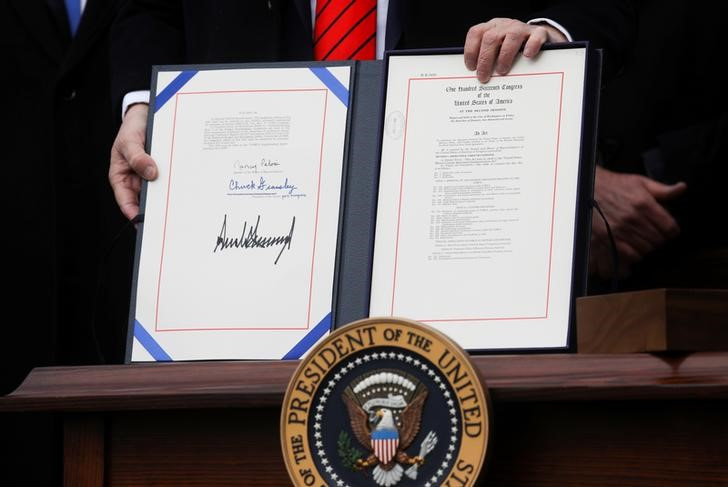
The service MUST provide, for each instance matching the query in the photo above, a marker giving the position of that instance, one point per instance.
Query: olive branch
(347, 453)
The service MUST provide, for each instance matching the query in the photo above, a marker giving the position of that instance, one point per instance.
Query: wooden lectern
(559, 420)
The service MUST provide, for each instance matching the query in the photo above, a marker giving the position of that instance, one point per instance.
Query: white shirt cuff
(553, 24)
(133, 97)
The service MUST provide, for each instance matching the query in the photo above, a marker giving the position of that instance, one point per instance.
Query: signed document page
(477, 198)
(240, 232)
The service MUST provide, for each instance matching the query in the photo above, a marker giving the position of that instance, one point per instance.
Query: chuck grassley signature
(249, 238)
(285, 187)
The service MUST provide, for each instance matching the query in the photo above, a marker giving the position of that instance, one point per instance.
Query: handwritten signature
(240, 166)
(252, 239)
(262, 186)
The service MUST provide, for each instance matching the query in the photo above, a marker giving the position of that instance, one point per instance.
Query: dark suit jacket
(202, 31)
(60, 214)
(672, 103)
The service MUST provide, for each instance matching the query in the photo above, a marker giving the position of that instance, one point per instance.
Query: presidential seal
(385, 402)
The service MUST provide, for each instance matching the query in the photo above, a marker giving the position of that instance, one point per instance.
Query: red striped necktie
(345, 29)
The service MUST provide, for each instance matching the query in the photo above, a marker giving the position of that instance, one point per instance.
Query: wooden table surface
(510, 378)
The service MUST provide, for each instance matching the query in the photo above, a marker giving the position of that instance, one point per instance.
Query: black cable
(100, 280)
(613, 246)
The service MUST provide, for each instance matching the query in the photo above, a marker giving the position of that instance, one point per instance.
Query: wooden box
(654, 320)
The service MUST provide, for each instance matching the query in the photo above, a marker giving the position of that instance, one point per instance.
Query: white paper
(477, 198)
(239, 242)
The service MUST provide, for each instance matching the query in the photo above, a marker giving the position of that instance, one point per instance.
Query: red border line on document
(318, 194)
(553, 202)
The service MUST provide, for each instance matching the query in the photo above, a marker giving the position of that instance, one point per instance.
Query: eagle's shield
(385, 443)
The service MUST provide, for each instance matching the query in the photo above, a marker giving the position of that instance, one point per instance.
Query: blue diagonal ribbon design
(150, 344)
(173, 87)
(333, 84)
(308, 341)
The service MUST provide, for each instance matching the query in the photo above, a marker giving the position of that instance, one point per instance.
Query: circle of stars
(343, 371)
